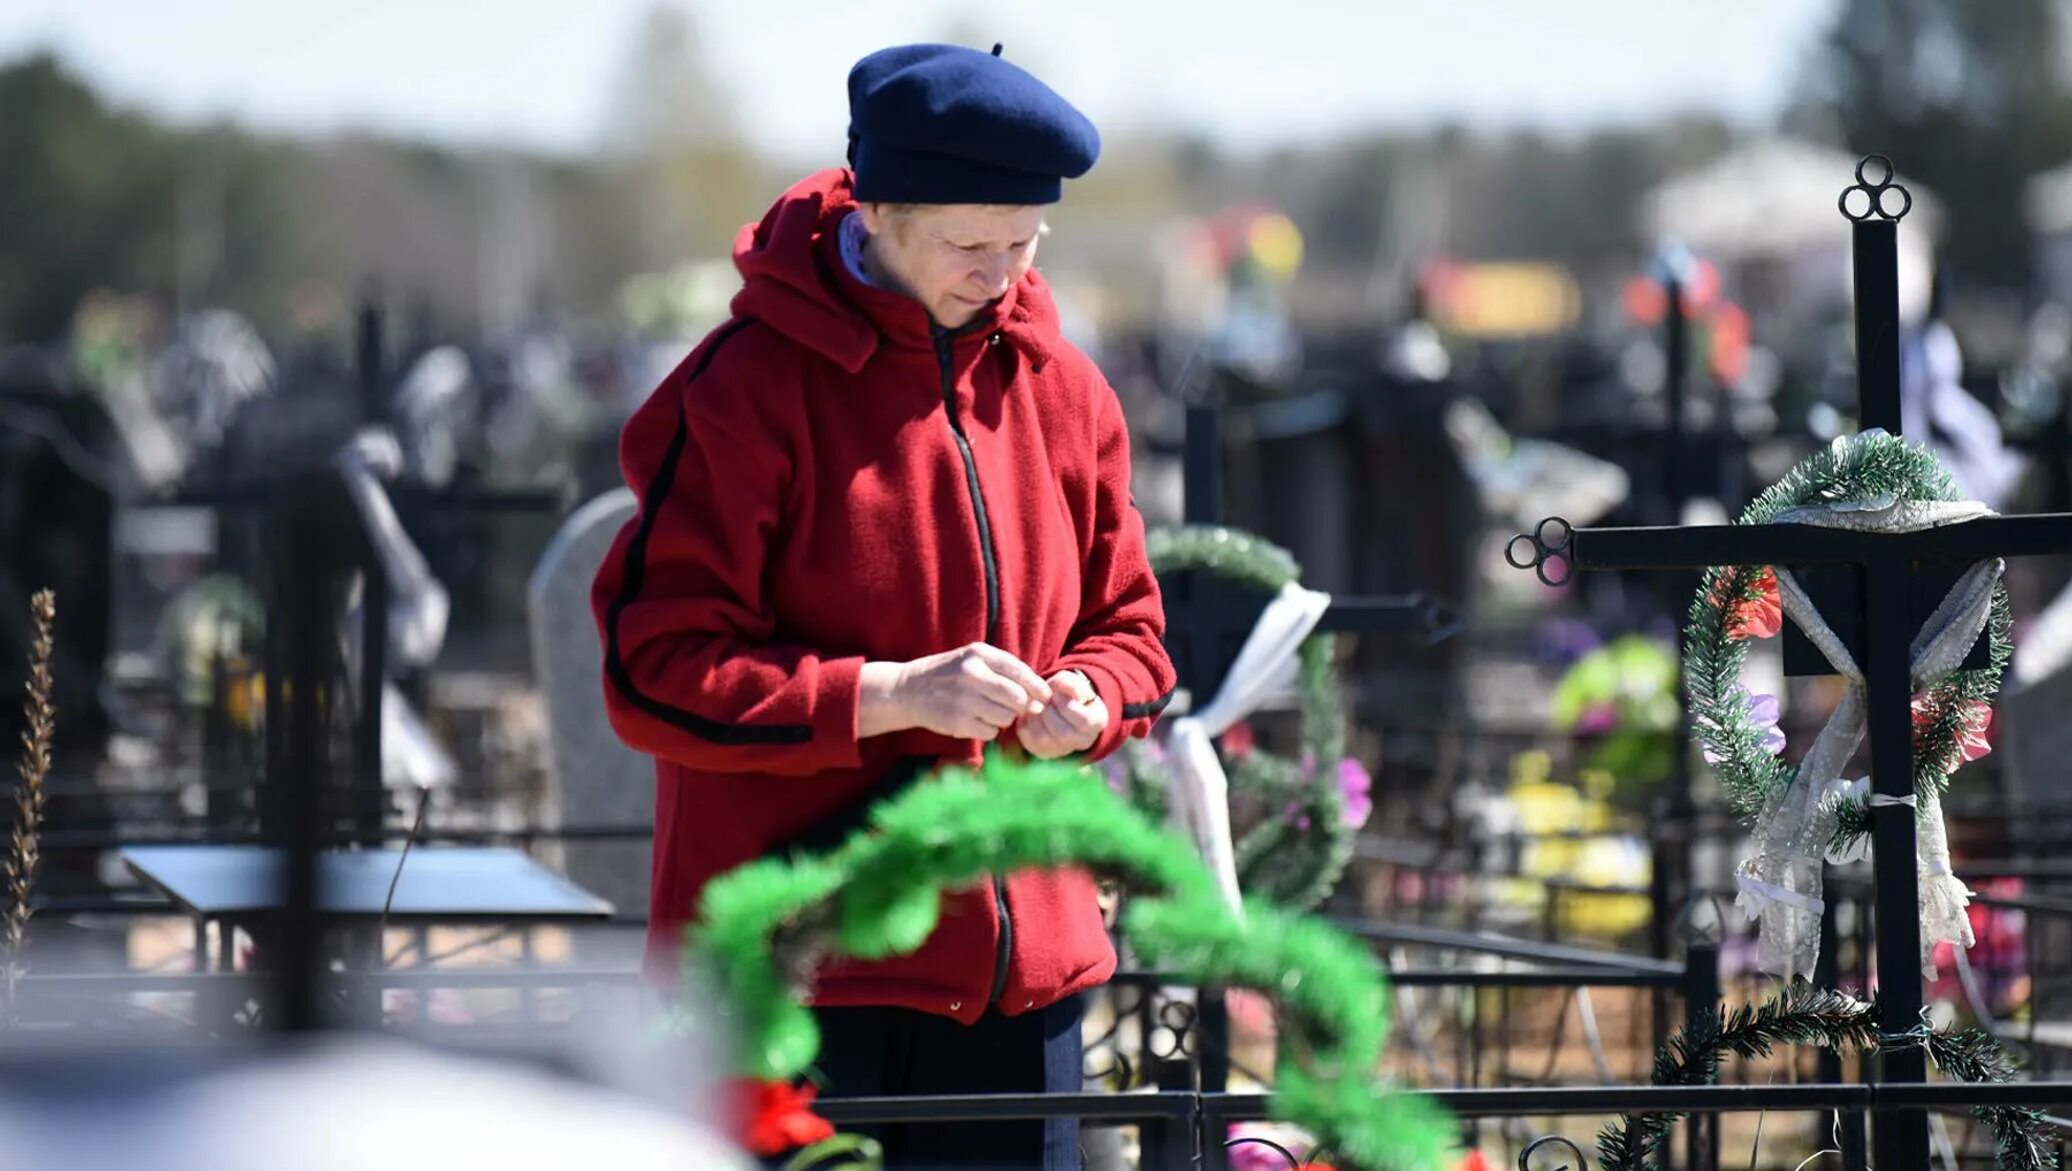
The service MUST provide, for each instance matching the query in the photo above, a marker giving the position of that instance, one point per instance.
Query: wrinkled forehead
(975, 223)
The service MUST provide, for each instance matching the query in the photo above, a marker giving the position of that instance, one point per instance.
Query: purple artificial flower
(1564, 640)
(1764, 712)
(1116, 772)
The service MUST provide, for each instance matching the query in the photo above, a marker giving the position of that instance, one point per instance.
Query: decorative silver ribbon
(1779, 885)
(1197, 791)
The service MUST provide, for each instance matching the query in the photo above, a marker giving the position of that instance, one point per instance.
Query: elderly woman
(885, 522)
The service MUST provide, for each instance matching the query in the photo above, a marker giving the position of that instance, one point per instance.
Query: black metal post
(368, 365)
(218, 796)
(300, 576)
(1900, 1138)
(1855, 1126)
(2058, 450)
(1676, 347)
(369, 799)
(1669, 861)
(1876, 258)
(1214, 1024)
(1202, 473)
(1202, 470)
(1828, 1063)
(1701, 1001)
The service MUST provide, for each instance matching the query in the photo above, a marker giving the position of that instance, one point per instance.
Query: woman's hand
(1074, 719)
(970, 693)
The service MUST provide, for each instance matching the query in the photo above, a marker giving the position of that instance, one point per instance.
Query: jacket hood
(795, 282)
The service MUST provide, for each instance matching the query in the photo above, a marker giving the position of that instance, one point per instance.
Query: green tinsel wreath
(1298, 851)
(1869, 467)
(765, 926)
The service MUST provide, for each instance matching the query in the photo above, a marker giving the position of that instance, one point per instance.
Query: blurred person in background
(885, 521)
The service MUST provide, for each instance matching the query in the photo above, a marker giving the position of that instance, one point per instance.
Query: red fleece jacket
(828, 479)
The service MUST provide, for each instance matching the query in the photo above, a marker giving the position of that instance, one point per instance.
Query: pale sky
(1253, 73)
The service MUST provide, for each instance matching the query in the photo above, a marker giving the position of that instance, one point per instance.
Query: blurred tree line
(288, 230)
(1970, 98)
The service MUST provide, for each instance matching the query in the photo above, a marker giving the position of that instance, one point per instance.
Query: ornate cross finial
(1871, 205)
(1543, 550)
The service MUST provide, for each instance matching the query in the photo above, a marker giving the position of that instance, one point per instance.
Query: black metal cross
(1207, 622)
(1888, 568)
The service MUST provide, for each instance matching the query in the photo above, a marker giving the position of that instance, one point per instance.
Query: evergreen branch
(2021, 1136)
(1226, 552)
(39, 712)
(1804, 1015)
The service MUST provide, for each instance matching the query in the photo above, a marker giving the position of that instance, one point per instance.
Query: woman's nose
(993, 273)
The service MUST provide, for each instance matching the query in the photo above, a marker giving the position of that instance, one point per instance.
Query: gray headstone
(594, 779)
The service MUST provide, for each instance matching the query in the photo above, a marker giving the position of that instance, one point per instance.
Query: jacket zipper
(1003, 954)
(978, 500)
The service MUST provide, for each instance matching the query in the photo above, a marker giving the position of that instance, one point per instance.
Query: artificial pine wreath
(1735, 604)
(1299, 847)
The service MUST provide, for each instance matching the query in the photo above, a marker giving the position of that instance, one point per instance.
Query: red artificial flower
(1239, 740)
(774, 1117)
(1474, 1160)
(1761, 616)
(1974, 726)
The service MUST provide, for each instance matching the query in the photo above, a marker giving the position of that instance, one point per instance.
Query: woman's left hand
(1071, 722)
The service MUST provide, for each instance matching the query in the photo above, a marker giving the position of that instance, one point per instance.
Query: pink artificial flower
(1248, 1149)
(1356, 787)
(1597, 719)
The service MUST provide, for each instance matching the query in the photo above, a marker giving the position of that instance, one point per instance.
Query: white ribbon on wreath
(1779, 885)
(1197, 791)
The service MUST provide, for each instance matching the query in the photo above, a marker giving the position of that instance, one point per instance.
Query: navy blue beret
(946, 124)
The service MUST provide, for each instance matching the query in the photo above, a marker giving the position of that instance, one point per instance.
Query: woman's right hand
(970, 693)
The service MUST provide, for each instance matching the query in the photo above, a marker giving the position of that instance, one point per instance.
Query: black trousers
(893, 1052)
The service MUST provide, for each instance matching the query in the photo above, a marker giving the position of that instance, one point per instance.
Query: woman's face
(954, 258)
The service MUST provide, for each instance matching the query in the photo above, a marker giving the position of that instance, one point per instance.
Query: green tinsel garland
(765, 926)
(1804, 1015)
(844, 1152)
(1297, 854)
(1868, 467)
